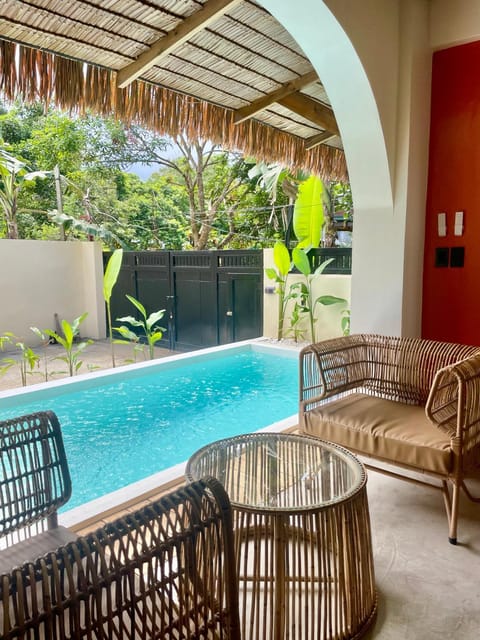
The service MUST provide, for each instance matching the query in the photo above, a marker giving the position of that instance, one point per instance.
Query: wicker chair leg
(453, 518)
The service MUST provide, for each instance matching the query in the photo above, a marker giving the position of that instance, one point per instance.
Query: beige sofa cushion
(384, 429)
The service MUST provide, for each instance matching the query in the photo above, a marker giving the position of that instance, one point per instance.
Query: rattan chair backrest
(35, 480)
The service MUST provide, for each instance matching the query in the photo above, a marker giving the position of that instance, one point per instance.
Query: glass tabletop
(276, 471)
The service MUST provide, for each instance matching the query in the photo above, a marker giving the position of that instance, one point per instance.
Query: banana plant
(72, 349)
(130, 337)
(303, 291)
(308, 212)
(110, 278)
(28, 358)
(13, 176)
(45, 341)
(153, 333)
(283, 264)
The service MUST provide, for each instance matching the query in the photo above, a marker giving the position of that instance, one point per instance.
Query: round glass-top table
(302, 534)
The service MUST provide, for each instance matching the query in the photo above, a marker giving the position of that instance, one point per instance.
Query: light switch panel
(458, 229)
(442, 225)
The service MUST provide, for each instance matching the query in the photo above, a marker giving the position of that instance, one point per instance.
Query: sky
(143, 171)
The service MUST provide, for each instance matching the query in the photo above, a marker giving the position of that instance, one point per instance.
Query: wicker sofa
(164, 571)
(411, 403)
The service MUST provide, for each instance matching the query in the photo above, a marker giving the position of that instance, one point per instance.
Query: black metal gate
(209, 297)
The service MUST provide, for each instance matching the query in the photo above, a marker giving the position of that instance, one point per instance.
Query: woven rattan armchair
(34, 483)
(409, 402)
(166, 571)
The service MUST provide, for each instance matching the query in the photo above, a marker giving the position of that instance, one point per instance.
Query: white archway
(331, 53)
(373, 59)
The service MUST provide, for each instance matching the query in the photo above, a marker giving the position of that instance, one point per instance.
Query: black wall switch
(441, 256)
(457, 256)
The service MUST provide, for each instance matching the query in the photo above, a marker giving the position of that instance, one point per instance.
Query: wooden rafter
(312, 110)
(262, 103)
(320, 138)
(210, 11)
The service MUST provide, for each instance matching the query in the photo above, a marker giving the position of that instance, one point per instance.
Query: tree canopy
(197, 196)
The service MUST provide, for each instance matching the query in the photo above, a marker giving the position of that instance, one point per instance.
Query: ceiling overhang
(225, 70)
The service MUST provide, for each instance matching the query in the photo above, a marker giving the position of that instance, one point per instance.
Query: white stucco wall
(454, 22)
(39, 279)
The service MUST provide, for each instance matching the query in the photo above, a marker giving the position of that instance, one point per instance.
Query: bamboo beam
(211, 10)
(311, 110)
(262, 103)
(320, 138)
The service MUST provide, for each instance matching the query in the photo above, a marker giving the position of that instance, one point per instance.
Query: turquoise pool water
(127, 426)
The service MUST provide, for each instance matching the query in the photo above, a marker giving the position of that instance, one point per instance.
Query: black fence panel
(341, 259)
(209, 297)
(240, 295)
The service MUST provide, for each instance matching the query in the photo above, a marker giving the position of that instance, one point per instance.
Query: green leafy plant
(45, 342)
(130, 337)
(13, 176)
(5, 339)
(110, 278)
(303, 291)
(153, 333)
(308, 213)
(27, 362)
(345, 322)
(295, 329)
(283, 264)
(72, 349)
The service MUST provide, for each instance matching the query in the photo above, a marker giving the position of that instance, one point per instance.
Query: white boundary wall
(41, 278)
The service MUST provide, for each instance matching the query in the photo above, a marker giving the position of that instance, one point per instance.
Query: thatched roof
(224, 70)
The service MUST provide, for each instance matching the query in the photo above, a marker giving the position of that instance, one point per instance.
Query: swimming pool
(127, 424)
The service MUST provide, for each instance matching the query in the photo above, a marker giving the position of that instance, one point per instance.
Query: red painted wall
(451, 296)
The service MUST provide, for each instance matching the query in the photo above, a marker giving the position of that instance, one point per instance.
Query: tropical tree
(200, 196)
(216, 184)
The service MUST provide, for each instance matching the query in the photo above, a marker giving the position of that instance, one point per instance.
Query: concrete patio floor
(427, 588)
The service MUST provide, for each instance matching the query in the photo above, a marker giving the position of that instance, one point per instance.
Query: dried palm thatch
(34, 74)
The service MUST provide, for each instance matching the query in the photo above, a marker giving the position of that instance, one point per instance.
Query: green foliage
(45, 342)
(57, 139)
(73, 349)
(130, 337)
(308, 214)
(13, 177)
(341, 197)
(110, 277)
(28, 358)
(281, 258)
(152, 332)
(201, 198)
(345, 322)
(81, 227)
(303, 291)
